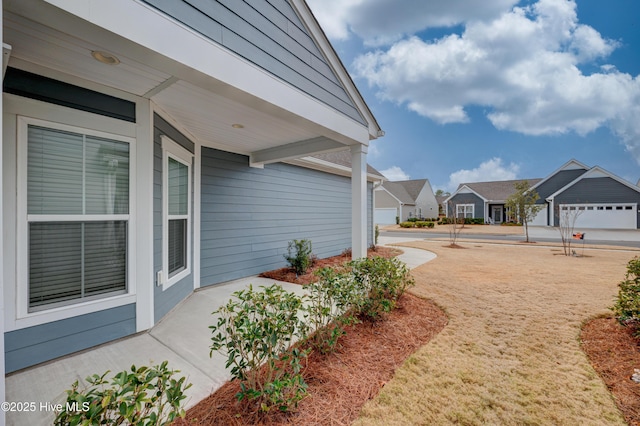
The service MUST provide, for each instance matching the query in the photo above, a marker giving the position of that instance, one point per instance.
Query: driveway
(510, 354)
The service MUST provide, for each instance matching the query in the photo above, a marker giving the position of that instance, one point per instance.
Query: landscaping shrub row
(417, 224)
(256, 329)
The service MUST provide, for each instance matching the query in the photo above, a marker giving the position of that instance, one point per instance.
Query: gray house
(150, 148)
(483, 200)
(600, 199)
(404, 199)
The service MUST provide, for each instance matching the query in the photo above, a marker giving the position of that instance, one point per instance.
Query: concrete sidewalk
(182, 338)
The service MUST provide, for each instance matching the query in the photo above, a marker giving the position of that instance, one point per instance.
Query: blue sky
(487, 90)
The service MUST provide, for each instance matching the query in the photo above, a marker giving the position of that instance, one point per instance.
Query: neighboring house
(150, 148)
(483, 200)
(601, 199)
(404, 199)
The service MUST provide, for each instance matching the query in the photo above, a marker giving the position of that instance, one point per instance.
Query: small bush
(143, 396)
(627, 306)
(300, 256)
(257, 329)
(412, 219)
(329, 307)
(381, 282)
(407, 224)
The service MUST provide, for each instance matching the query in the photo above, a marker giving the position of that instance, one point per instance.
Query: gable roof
(595, 171)
(406, 191)
(572, 164)
(495, 190)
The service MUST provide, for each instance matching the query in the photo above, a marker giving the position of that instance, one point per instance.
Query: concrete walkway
(182, 338)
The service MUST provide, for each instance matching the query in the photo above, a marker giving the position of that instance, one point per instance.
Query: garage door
(602, 216)
(385, 216)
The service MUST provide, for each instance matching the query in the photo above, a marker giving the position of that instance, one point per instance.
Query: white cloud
(488, 171)
(380, 22)
(522, 66)
(395, 173)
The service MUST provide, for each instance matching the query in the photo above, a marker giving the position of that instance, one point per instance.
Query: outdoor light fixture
(237, 126)
(105, 58)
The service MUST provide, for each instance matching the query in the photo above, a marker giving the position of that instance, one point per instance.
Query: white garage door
(385, 216)
(603, 216)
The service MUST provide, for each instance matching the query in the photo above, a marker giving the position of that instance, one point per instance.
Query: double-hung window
(77, 209)
(176, 209)
(464, 210)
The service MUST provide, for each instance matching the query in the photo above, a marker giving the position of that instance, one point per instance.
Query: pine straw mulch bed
(339, 384)
(614, 353)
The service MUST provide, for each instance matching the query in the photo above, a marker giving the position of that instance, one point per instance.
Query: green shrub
(256, 329)
(430, 225)
(376, 235)
(407, 224)
(143, 396)
(381, 282)
(627, 306)
(329, 307)
(412, 219)
(300, 256)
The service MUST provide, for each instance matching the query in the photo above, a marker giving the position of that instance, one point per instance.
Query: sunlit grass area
(511, 352)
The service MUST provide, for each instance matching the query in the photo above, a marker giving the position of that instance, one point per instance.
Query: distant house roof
(496, 190)
(441, 198)
(406, 191)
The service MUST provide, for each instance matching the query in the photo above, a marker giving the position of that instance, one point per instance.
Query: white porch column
(358, 201)
(143, 225)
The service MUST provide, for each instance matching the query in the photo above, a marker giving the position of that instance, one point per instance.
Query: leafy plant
(329, 307)
(257, 329)
(143, 396)
(299, 255)
(627, 306)
(380, 283)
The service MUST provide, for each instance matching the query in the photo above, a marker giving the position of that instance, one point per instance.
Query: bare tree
(567, 216)
(454, 222)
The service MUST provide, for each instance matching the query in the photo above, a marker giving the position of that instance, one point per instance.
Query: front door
(496, 214)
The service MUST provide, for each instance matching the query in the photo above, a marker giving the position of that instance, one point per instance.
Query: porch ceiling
(202, 106)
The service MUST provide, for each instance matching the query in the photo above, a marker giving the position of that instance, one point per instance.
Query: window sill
(42, 317)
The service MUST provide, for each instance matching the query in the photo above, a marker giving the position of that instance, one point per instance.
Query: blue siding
(269, 34)
(165, 300)
(249, 215)
(596, 191)
(33, 345)
(557, 181)
(469, 198)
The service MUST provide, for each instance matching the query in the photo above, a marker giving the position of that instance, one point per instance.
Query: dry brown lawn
(511, 352)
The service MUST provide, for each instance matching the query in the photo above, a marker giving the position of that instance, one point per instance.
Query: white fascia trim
(316, 32)
(160, 33)
(586, 175)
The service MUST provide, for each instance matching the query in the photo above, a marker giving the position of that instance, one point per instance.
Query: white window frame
(171, 149)
(24, 318)
(464, 210)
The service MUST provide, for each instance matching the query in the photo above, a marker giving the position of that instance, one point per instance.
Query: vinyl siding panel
(478, 209)
(249, 215)
(270, 35)
(33, 345)
(596, 191)
(165, 300)
(557, 181)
